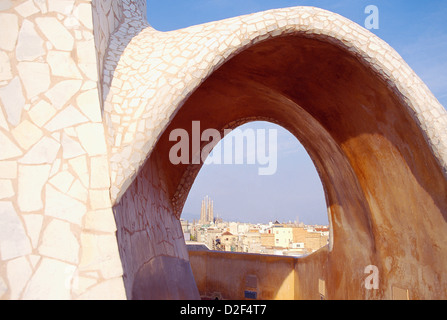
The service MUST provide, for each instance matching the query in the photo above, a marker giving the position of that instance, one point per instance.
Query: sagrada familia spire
(206, 211)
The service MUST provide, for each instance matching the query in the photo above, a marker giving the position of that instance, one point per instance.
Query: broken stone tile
(30, 185)
(61, 6)
(9, 149)
(59, 242)
(71, 148)
(6, 189)
(59, 288)
(18, 271)
(100, 220)
(13, 101)
(88, 102)
(94, 250)
(61, 206)
(41, 113)
(92, 138)
(26, 9)
(84, 13)
(62, 92)
(79, 166)
(5, 5)
(99, 199)
(33, 224)
(62, 65)
(13, 239)
(66, 118)
(86, 54)
(45, 151)
(5, 67)
(8, 169)
(29, 44)
(62, 181)
(3, 123)
(112, 289)
(35, 77)
(78, 191)
(8, 21)
(56, 33)
(26, 134)
(99, 172)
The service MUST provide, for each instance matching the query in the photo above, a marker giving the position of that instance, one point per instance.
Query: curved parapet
(152, 73)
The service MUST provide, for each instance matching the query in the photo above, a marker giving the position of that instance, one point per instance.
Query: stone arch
(368, 122)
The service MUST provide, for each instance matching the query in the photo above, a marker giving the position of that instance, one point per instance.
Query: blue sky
(417, 30)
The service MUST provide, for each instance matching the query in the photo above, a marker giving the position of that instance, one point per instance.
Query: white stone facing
(41, 113)
(62, 181)
(112, 289)
(92, 138)
(100, 220)
(44, 151)
(99, 173)
(8, 21)
(30, 186)
(35, 77)
(70, 147)
(26, 134)
(29, 45)
(61, 206)
(62, 92)
(19, 272)
(89, 104)
(66, 118)
(13, 101)
(63, 65)
(84, 12)
(27, 8)
(59, 242)
(13, 239)
(3, 123)
(8, 150)
(100, 254)
(61, 6)
(5, 67)
(3, 288)
(33, 224)
(6, 189)
(59, 288)
(79, 166)
(8, 169)
(56, 33)
(78, 191)
(86, 54)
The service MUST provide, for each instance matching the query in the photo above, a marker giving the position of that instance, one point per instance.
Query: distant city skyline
(415, 29)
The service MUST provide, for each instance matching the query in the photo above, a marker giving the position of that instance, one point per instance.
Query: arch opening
(376, 168)
(257, 174)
